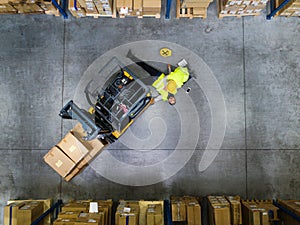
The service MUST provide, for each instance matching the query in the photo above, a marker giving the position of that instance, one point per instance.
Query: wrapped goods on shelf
(192, 8)
(240, 8)
(178, 209)
(218, 210)
(235, 210)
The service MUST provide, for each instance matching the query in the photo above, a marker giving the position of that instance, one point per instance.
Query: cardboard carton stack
(139, 8)
(186, 209)
(259, 212)
(72, 154)
(93, 8)
(85, 212)
(154, 214)
(218, 210)
(292, 8)
(127, 213)
(193, 210)
(18, 212)
(239, 8)
(294, 207)
(192, 8)
(24, 212)
(178, 209)
(235, 209)
(28, 7)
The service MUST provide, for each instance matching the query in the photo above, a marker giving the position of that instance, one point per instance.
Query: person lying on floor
(165, 85)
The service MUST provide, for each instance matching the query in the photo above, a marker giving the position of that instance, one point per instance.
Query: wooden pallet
(141, 15)
(189, 12)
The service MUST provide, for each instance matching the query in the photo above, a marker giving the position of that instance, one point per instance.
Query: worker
(166, 86)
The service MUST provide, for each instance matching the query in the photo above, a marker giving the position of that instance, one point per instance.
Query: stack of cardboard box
(293, 206)
(192, 8)
(178, 209)
(24, 212)
(259, 212)
(139, 8)
(93, 8)
(127, 213)
(235, 210)
(186, 209)
(292, 8)
(72, 153)
(218, 210)
(154, 215)
(28, 7)
(193, 210)
(84, 212)
(239, 8)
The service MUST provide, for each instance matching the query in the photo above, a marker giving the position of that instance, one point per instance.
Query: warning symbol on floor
(165, 52)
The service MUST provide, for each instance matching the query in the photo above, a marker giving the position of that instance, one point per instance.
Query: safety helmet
(171, 86)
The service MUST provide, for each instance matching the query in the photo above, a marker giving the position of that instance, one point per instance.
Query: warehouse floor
(236, 132)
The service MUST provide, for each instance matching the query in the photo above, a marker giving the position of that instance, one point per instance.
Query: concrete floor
(255, 62)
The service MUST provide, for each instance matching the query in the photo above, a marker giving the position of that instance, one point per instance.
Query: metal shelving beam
(168, 9)
(274, 11)
(62, 9)
(50, 210)
(292, 214)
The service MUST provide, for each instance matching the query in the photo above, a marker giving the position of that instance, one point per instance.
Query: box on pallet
(59, 161)
(219, 210)
(29, 212)
(235, 210)
(73, 147)
(65, 221)
(154, 214)
(7, 8)
(294, 207)
(178, 209)
(11, 213)
(127, 213)
(193, 210)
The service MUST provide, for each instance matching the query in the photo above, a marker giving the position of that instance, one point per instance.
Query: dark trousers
(150, 69)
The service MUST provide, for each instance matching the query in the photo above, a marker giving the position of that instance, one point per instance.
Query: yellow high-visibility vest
(180, 76)
(159, 84)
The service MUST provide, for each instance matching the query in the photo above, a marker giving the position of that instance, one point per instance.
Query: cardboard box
(106, 206)
(7, 8)
(59, 161)
(96, 218)
(75, 207)
(11, 213)
(47, 203)
(193, 210)
(29, 212)
(235, 209)
(178, 209)
(67, 221)
(137, 4)
(294, 207)
(251, 213)
(154, 214)
(127, 213)
(68, 215)
(124, 3)
(219, 210)
(73, 147)
(151, 3)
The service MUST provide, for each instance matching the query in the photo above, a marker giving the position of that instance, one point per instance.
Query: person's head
(172, 100)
